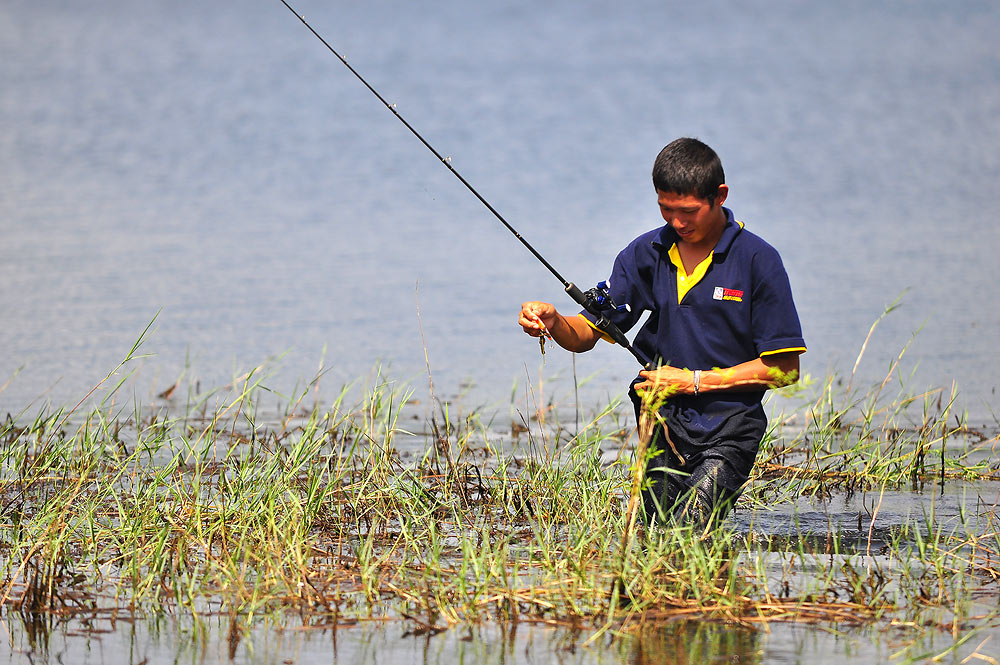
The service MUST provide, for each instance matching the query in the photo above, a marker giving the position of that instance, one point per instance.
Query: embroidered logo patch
(727, 294)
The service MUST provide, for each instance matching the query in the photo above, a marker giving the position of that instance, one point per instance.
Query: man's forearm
(573, 333)
(760, 373)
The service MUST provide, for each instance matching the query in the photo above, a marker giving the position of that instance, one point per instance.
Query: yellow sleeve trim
(791, 349)
(600, 332)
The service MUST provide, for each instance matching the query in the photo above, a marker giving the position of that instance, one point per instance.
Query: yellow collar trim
(686, 282)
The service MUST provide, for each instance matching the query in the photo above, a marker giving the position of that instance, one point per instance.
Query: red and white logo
(722, 293)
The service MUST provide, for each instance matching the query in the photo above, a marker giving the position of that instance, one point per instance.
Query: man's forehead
(676, 200)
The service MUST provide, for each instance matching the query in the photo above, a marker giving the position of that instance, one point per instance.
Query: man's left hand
(668, 380)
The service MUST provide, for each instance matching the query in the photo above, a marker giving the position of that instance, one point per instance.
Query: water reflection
(695, 642)
(158, 640)
(217, 639)
(671, 643)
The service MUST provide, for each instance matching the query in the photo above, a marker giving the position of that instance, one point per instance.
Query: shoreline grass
(322, 515)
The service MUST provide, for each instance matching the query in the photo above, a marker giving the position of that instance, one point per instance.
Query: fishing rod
(597, 301)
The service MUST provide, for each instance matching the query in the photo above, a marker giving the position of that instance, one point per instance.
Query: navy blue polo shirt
(736, 307)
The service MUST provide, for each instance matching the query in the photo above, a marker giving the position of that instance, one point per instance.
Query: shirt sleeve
(626, 288)
(774, 319)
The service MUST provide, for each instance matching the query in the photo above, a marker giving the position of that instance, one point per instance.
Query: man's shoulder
(756, 257)
(752, 244)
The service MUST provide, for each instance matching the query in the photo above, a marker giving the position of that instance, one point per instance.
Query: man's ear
(721, 194)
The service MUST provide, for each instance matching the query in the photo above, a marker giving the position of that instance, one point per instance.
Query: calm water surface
(215, 164)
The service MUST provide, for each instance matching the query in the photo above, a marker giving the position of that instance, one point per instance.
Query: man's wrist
(696, 381)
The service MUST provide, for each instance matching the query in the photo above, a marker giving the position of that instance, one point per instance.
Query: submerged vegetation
(335, 514)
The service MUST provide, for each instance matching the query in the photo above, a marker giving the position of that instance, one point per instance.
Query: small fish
(545, 331)
(545, 334)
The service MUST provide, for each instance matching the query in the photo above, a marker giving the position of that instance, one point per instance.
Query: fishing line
(596, 300)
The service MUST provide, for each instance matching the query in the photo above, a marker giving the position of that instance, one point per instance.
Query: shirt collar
(667, 237)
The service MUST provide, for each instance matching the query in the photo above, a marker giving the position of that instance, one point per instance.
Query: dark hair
(688, 166)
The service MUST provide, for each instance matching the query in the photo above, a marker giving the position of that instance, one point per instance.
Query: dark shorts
(698, 483)
(697, 495)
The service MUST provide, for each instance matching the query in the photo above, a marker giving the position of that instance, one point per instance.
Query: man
(722, 329)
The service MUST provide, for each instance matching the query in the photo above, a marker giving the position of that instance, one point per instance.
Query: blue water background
(213, 162)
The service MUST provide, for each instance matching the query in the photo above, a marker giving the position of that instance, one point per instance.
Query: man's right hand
(571, 333)
(537, 318)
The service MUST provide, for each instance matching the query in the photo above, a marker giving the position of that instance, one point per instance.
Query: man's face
(694, 219)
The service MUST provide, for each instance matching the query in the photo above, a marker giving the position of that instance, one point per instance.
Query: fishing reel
(598, 300)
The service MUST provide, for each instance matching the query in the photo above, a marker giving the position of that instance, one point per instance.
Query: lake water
(214, 163)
